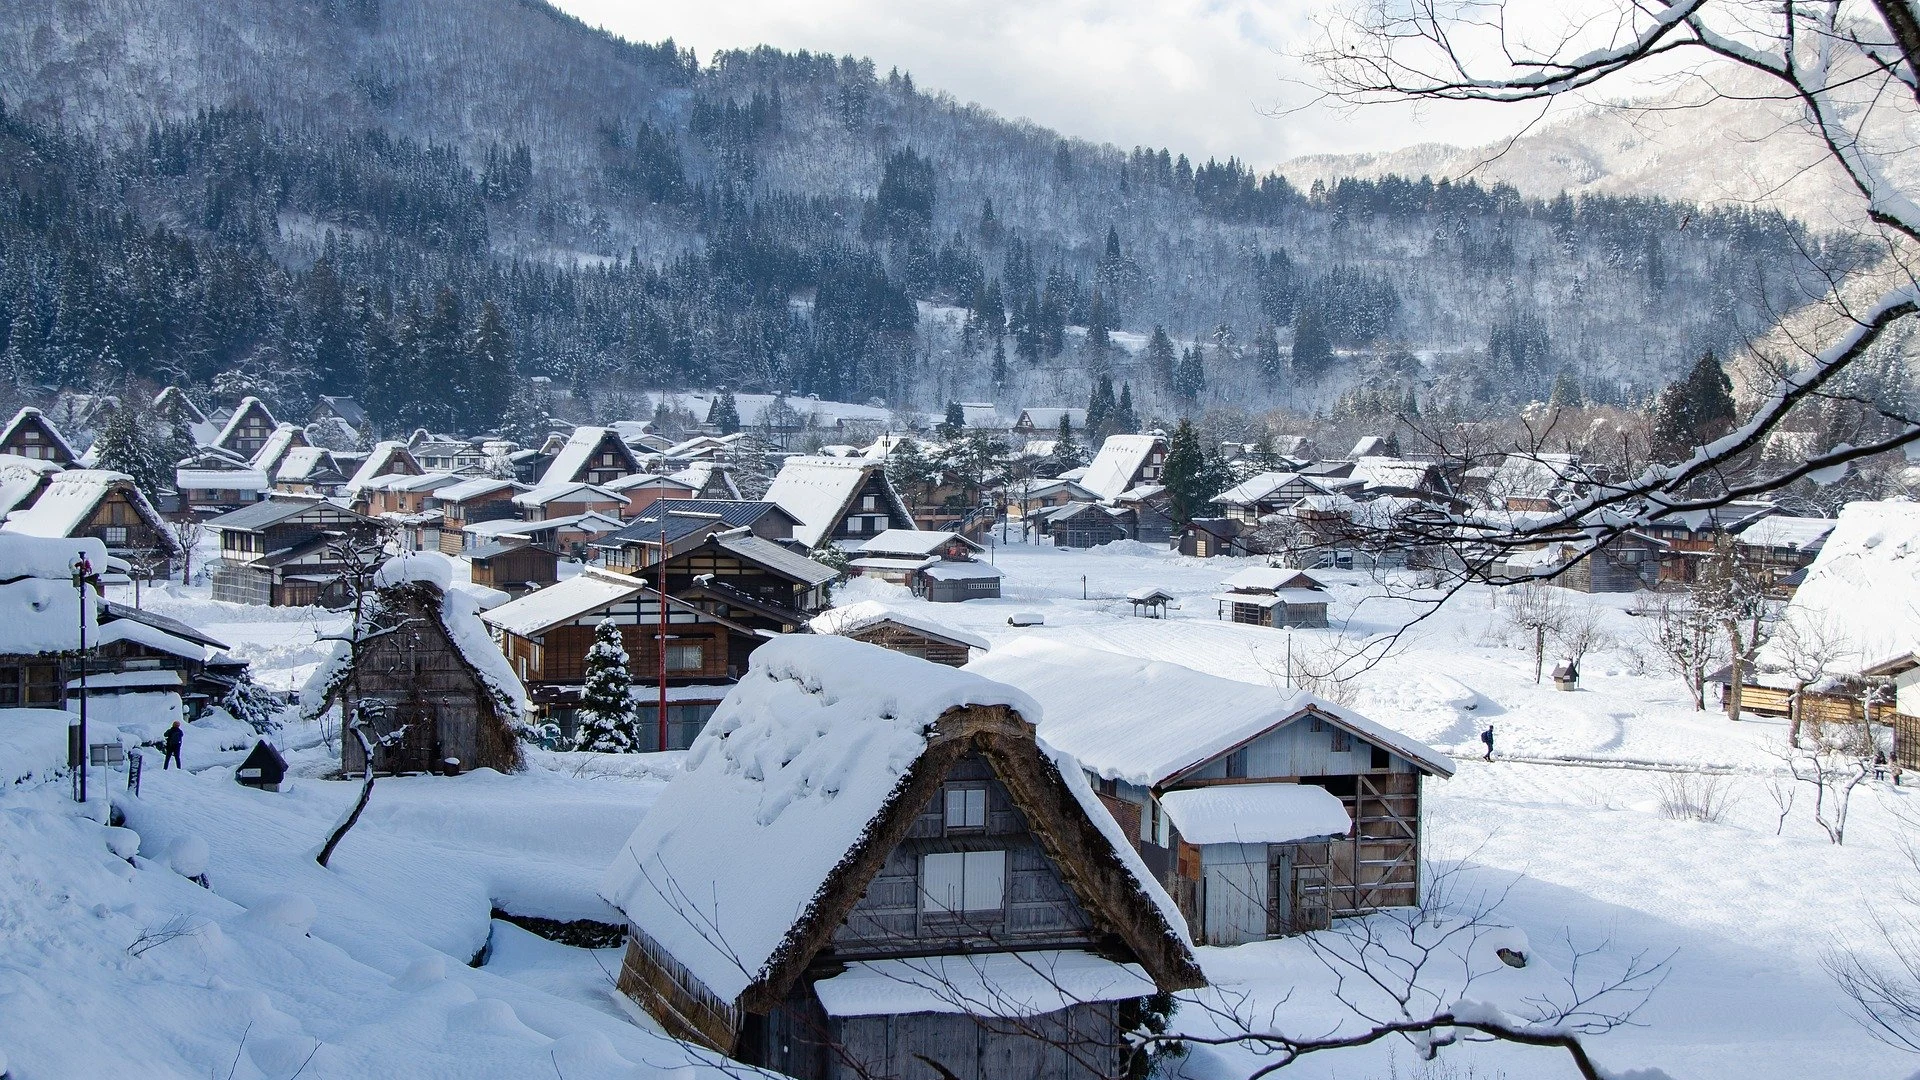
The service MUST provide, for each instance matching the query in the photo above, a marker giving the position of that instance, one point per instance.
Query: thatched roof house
(426, 673)
(853, 819)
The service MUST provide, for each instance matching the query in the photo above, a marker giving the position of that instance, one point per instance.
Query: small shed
(263, 768)
(1274, 596)
(1566, 675)
(901, 630)
(1150, 602)
(514, 568)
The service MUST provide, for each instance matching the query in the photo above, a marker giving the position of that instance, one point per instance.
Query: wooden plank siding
(910, 641)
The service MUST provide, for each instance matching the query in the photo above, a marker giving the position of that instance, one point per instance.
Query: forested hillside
(337, 195)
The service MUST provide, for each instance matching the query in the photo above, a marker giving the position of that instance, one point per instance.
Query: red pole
(663, 632)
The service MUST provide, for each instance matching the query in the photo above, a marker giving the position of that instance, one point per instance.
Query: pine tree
(999, 361)
(1160, 358)
(491, 387)
(1185, 474)
(1101, 407)
(1312, 352)
(910, 471)
(1189, 376)
(1066, 451)
(130, 446)
(1127, 422)
(1566, 391)
(1693, 411)
(609, 722)
(725, 414)
(1267, 354)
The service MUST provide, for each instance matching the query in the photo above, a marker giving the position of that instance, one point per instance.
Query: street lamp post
(82, 572)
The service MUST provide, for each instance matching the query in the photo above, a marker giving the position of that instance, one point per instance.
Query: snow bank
(1860, 602)
(983, 984)
(787, 777)
(33, 746)
(428, 566)
(854, 618)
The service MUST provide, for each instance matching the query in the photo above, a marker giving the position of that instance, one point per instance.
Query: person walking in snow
(1487, 737)
(170, 743)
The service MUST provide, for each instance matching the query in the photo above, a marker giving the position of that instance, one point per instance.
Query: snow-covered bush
(607, 720)
(255, 704)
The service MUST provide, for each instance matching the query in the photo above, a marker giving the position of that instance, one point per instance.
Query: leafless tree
(1539, 612)
(1580, 632)
(1687, 637)
(1885, 992)
(1735, 592)
(1807, 647)
(188, 531)
(1833, 760)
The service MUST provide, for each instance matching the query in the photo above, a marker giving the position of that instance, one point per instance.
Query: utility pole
(82, 571)
(662, 623)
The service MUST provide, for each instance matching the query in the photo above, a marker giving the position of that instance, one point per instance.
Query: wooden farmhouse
(569, 500)
(22, 480)
(545, 636)
(944, 567)
(309, 470)
(424, 676)
(957, 906)
(687, 523)
(276, 552)
(902, 630)
(1043, 423)
(210, 484)
(247, 430)
(708, 480)
(592, 455)
(1125, 462)
(514, 567)
(173, 406)
(471, 502)
(1275, 493)
(388, 458)
(31, 435)
(1264, 812)
(573, 535)
(101, 504)
(1273, 596)
(641, 490)
(1026, 503)
(837, 499)
(1630, 562)
(281, 441)
(1086, 525)
(1903, 671)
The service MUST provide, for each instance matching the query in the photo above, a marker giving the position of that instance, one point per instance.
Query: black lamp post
(82, 576)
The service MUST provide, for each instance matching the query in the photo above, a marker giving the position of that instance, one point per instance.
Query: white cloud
(1203, 77)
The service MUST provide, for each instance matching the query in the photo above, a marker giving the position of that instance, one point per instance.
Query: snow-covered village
(528, 553)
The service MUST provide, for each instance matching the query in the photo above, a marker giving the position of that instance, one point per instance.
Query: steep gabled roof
(247, 405)
(818, 491)
(912, 542)
(576, 456)
(684, 517)
(71, 499)
(388, 456)
(867, 614)
(1860, 602)
(273, 511)
(307, 463)
(282, 439)
(32, 416)
(1114, 469)
(811, 773)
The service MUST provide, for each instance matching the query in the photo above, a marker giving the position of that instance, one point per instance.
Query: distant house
(902, 630)
(568, 500)
(1373, 477)
(641, 489)
(708, 480)
(1782, 548)
(1275, 493)
(210, 486)
(1535, 482)
(1027, 502)
(1152, 510)
(573, 535)
(545, 636)
(388, 458)
(470, 502)
(687, 523)
(31, 435)
(105, 505)
(22, 480)
(273, 451)
(403, 494)
(837, 499)
(1630, 562)
(344, 409)
(173, 406)
(1044, 422)
(309, 470)
(941, 566)
(1273, 596)
(591, 455)
(1264, 811)
(1125, 461)
(276, 552)
(1086, 525)
(1206, 538)
(247, 430)
(514, 566)
(773, 586)
(440, 692)
(956, 894)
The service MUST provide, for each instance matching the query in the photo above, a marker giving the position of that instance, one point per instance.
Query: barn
(902, 630)
(914, 885)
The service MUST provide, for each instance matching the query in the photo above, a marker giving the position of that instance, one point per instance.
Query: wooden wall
(1082, 1042)
(909, 641)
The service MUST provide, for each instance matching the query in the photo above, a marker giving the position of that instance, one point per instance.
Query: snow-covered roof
(1003, 984)
(301, 462)
(912, 542)
(221, 479)
(240, 411)
(17, 485)
(569, 491)
(1148, 593)
(1368, 446)
(634, 480)
(432, 482)
(699, 474)
(279, 441)
(785, 781)
(71, 499)
(574, 456)
(472, 489)
(28, 415)
(850, 620)
(1774, 531)
(1049, 417)
(902, 564)
(1256, 813)
(1860, 602)
(947, 570)
(817, 491)
(388, 455)
(561, 602)
(1271, 578)
(1114, 469)
(39, 610)
(1143, 721)
(1296, 597)
(1388, 472)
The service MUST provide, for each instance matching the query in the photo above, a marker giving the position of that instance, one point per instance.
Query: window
(870, 502)
(685, 658)
(43, 684)
(10, 678)
(966, 808)
(1316, 725)
(1237, 764)
(963, 882)
(1340, 742)
(855, 524)
(1380, 759)
(116, 535)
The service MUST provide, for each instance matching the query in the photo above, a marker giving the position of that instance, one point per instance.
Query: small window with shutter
(966, 808)
(963, 882)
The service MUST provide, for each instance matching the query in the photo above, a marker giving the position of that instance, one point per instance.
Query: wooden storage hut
(513, 567)
(1206, 775)
(954, 907)
(901, 630)
(1273, 596)
(425, 676)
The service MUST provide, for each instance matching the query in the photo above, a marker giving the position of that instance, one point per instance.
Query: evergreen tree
(1693, 411)
(1312, 351)
(999, 361)
(1097, 337)
(1267, 354)
(1189, 376)
(131, 446)
(911, 472)
(1101, 407)
(725, 414)
(1566, 391)
(609, 723)
(1186, 474)
(1065, 450)
(491, 387)
(1126, 422)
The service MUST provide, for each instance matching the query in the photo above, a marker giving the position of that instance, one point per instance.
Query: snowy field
(362, 969)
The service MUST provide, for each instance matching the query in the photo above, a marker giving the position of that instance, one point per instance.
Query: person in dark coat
(1487, 737)
(170, 743)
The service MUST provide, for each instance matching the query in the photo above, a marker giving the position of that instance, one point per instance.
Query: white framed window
(963, 882)
(116, 534)
(856, 524)
(966, 808)
(685, 658)
(870, 502)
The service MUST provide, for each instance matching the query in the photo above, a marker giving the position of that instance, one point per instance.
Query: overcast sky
(1203, 77)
